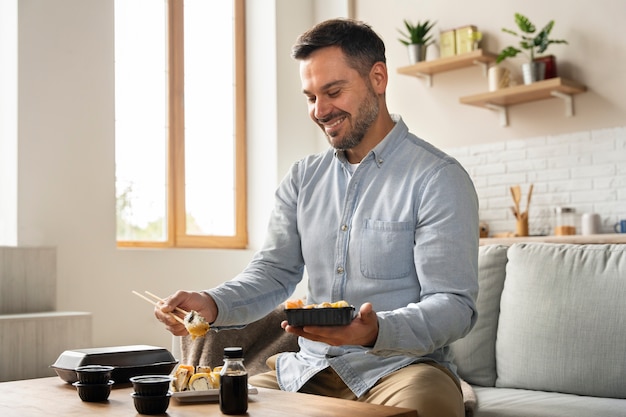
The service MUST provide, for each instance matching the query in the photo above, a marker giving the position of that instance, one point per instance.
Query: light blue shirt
(401, 232)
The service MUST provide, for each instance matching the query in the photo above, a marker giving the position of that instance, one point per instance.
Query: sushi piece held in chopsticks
(195, 324)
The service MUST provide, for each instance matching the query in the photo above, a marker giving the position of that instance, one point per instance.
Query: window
(180, 123)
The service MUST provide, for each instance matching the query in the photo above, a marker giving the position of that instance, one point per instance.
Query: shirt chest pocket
(387, 249)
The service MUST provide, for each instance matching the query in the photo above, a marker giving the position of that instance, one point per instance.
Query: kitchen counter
(575, 239)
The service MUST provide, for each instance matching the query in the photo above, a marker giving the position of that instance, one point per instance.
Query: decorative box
(465, 39)
(447, 43)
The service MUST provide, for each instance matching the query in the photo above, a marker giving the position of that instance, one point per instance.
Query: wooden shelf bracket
(567, 99)
(502, 112)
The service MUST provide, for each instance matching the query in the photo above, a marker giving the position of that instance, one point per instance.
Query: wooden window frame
(177, 236)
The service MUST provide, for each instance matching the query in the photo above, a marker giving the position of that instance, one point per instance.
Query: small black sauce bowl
(151, 404)
(151, 385)
(93, 392)
(94, 374)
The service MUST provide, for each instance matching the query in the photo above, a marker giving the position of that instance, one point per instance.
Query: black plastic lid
(233, 352)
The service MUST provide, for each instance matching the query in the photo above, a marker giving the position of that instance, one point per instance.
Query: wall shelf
(500, 100)
(609, 238)
(426, 69)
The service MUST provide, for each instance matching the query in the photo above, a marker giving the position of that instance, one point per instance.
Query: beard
(367, 113)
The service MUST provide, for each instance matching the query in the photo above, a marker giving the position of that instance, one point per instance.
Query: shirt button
(340, 269)
(344, 227)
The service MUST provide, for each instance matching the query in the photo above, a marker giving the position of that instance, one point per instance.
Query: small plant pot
(417, 52)
(533, 71)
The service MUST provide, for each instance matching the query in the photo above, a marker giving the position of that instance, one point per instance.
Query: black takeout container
(128, 361)
(151, 385)
(151, 405)
(93, 392)
(319, 316)
(94, 374)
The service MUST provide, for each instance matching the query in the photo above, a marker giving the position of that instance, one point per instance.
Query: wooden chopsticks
(156, 304)
(156, 297)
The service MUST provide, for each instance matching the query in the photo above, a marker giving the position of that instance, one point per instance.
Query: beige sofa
(550, 339)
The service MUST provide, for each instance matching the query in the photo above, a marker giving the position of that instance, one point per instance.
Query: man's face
(341, 102)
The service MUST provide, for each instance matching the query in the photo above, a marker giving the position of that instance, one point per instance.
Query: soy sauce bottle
(233, 382)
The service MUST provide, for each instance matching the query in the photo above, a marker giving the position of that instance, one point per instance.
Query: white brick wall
(583, 170)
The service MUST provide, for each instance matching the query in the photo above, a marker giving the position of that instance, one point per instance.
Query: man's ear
(379, 77)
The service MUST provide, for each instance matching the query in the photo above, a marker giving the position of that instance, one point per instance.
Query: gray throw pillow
(475, 355)
(562, 320)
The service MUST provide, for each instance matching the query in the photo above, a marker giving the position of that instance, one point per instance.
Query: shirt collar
(385, 146)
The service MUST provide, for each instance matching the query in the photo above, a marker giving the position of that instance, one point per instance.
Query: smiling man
(344, 102)
(383, 220)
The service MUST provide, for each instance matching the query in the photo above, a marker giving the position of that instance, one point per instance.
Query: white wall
(8, 123)
(65, 192)
(595, 57)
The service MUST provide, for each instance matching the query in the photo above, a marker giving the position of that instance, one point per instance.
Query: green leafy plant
(417, 34)
(534, 43)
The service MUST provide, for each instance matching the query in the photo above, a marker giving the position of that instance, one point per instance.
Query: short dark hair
(359, 43)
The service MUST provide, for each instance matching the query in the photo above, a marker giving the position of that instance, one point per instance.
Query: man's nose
(321, 109)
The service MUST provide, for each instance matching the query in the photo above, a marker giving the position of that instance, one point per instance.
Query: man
(382, 220)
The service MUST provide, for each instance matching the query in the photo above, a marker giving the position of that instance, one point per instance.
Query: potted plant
(417, 38)
(533, 43)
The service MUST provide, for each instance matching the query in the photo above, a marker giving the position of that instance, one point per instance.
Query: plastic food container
(151, 385)
(93, 392)
(94, 374)
(151, 405)
(320, 316)
(127, 361)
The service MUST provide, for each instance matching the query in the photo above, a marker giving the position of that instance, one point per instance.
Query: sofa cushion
(508, 402)
(561, 319)
(474, 355)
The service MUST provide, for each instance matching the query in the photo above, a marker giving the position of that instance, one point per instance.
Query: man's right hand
(200, 302)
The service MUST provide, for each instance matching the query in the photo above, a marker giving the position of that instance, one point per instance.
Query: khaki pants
(426, 387)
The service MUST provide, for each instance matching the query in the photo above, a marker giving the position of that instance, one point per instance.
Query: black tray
(320, 316)
(128, 361)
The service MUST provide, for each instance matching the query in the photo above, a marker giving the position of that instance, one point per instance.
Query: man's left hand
(362, 331)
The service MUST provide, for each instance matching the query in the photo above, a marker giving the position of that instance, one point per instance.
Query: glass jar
(564, 221)
(233, 396)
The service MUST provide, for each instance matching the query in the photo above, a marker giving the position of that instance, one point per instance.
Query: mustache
(330, 117)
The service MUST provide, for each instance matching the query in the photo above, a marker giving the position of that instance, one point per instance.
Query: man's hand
(201, 302)
(362, 331)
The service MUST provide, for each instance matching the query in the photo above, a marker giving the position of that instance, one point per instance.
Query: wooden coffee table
(53, 397)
